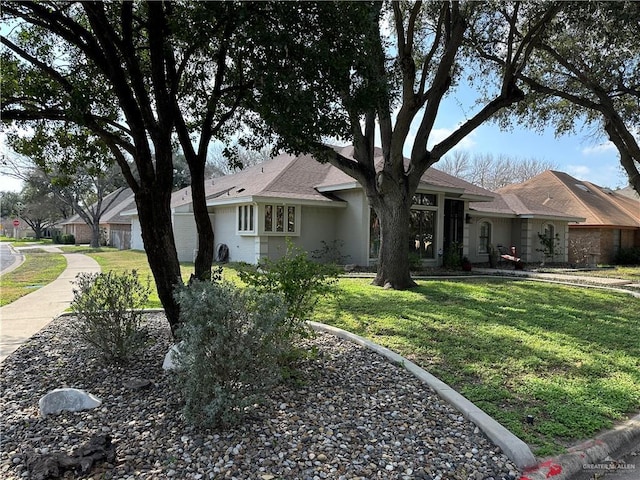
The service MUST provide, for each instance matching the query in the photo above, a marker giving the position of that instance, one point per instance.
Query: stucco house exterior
(255, 210)
(115, 227)
(611, 220)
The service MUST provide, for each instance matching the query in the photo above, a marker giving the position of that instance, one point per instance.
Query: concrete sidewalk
(29, 314)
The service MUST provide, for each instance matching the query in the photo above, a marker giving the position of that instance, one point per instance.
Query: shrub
(108, 309)
(330, 252)
(628, 256)
(298, 279)
(228, 353)
(68, 239)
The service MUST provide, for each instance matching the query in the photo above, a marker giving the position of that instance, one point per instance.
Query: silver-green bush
(108, 308)
(227, 358)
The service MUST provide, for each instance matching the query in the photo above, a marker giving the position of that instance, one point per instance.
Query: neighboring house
(115, 228)
(628, 191)
(611, 221)
(255, 210)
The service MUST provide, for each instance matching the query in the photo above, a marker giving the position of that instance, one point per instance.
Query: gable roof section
(512, 205)
(433, 179)
(118, 201)
(563, 193)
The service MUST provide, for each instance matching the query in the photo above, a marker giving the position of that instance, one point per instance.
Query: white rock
(67, 399)
(169, 360)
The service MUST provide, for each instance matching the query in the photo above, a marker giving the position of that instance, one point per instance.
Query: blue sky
(585, 155)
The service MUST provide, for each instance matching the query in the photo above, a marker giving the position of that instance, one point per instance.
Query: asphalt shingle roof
(561, 192)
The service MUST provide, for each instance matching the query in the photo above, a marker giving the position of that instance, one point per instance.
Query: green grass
(127, 260)
(627, 273)
(38, 269)
(24, 240)
(568, 356)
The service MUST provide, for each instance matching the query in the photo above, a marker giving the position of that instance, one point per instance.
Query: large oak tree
(139, 75)
(355, 70)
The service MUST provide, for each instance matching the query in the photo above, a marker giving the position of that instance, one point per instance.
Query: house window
(280, 218)
(425, 199)
(268, 218)
(484, 229)
(422, 233)
(422, 230)
(245, 218)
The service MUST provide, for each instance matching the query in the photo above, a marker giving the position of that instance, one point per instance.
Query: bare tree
(493, 171)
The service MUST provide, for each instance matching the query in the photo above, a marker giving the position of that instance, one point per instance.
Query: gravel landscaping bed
(355, 416)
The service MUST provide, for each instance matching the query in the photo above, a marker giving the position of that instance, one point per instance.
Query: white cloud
(439, 134)
(578, 171)
(602, 148)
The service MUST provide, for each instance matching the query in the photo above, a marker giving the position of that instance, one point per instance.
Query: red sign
(16, 223)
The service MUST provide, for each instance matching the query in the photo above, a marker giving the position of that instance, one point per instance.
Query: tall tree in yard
(139, 75)
(354, 70)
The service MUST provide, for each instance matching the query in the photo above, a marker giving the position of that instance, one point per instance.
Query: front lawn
(568, 356)
(39, 268)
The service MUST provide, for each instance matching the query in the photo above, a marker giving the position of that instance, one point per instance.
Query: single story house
(255, 210)
(611, 220)
(114, 226)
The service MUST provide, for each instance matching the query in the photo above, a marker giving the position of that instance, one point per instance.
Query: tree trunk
(154, 213)
(95, 236)
(393, 257)
(204, 258)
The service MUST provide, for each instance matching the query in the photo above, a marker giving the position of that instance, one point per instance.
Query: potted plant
(466, 264)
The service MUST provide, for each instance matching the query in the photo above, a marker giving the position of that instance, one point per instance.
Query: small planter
(466, 265)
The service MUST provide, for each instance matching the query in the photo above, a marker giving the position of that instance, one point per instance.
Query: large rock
(67, 400)
(169, 358)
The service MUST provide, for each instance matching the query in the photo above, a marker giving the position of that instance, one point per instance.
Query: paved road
(8, 257)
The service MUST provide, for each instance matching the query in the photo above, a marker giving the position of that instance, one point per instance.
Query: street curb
(591, 452)
(517, 450)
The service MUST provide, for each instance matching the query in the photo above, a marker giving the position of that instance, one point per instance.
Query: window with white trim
(279, 218)
(245, 218)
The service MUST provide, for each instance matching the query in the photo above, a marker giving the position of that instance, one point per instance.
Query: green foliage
(415, 262)
(300, 281)
(330, 252)
(230, 343)
(628, 256)
(64, 238)
(452, 257)
(550, 245)
(108, 310)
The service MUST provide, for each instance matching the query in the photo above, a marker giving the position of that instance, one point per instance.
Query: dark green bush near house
(628, 256)
(64, 239)
(108, 308)
(299, 280)
(228, 354)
